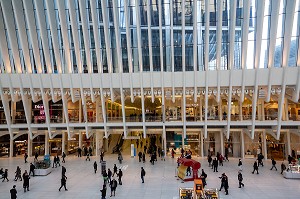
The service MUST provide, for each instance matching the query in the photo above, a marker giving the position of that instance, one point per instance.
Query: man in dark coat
(31, 169)
(63, 171)
(109, 174)
(25, 157)
(240, 179)
(120, 174)
(215, 165)
(143, 173)
(115, 170)
(273, 164)
(224, 183)
(79, 151)
(63, 183)
(255, 167)
(13, 193)
(26, 181)
(5, 175)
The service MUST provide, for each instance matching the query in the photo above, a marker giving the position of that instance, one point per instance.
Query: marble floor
(160, 180)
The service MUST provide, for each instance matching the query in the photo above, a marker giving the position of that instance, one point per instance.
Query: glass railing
(294, 117)
(149, 118)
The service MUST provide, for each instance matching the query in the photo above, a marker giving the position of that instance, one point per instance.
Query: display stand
(293, 172)
(184, 163)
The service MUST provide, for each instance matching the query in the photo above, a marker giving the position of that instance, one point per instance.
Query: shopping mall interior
(209, 76)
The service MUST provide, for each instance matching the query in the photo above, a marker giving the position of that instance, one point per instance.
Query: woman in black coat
(26, 181)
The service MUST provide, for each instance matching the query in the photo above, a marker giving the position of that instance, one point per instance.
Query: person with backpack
(143, 173)
(113, 187)
(273, 164)
(260, 157)
(203, 178)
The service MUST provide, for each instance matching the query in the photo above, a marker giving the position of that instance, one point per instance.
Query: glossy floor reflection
(160, 180)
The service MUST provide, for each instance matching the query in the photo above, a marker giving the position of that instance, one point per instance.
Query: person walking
(120, 158)
(18, 174)
(109, 174)
(13, 193)
(101, 156)
(36, 156)
(240, 179)
(63, 171)
(260, 157)
(290, 159)
(57, 160)
(255, 167)
(120, 174)
(54, 162)
(273, 164)
(140, 156)
(144, 157)
(26, 181)
(25, 157)
(88, 157)
(209, 160)
(240, 165)
(63, 182)
(113, 186)
(173, 153)
(215, 165)
(224, 183)
(115, 170)
(103, 192)
(5, 175)
(143, 173)
(283, 167)
(79, 151)
(63, 157)
(162, 155)
(105, 177)
(95, 166)
(31, 169)
(203, 178)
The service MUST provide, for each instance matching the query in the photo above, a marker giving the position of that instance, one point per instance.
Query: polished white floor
(160, 180)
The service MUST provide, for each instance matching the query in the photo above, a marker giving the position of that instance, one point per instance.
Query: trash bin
(103, 166)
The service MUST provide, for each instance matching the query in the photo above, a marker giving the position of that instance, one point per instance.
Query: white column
(222, 142)
(13, 112)
(202, 144)
(288, 137)
(11, 148)
(182, 137)
(241, 111)
(286, 110)
(236, 145)
(80, 111)
(29, 146)
(243, 145)
(164, 135)
(97, 142)
(265, 153)
(80, 140)
(46, 143)
(63, 142)
(220, 112)
(200, 106)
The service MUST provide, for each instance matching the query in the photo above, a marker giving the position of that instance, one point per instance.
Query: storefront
(56, 111)
(38, 145)
(276, 148)
(4, 145)
(55, 145)
(212, 144)
(19, 113)
(38, 113)
(2, 114)
(255, 146)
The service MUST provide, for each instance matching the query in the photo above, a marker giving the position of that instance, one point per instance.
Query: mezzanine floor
(159, 181)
